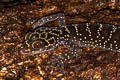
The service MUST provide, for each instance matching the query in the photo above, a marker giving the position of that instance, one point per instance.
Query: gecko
(74, 35)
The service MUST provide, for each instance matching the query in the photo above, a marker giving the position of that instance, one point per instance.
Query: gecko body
(42, 39)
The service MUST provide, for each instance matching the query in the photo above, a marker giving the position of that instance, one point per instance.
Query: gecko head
(35, 43)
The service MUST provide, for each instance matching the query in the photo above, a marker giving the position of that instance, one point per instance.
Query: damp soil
(16, 18)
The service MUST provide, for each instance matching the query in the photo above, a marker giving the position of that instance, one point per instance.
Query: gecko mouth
(25, 51)
(30, 52)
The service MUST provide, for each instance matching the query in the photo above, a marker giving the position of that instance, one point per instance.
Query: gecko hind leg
(58, 16)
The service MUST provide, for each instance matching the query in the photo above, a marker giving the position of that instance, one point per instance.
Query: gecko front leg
(61, 60)
(59, 16)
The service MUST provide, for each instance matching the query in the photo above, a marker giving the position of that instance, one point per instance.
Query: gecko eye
(36, 44)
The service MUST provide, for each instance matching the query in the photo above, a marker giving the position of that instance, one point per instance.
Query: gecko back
(106, 36)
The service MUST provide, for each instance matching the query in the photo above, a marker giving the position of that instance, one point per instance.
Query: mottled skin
(42, 39)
